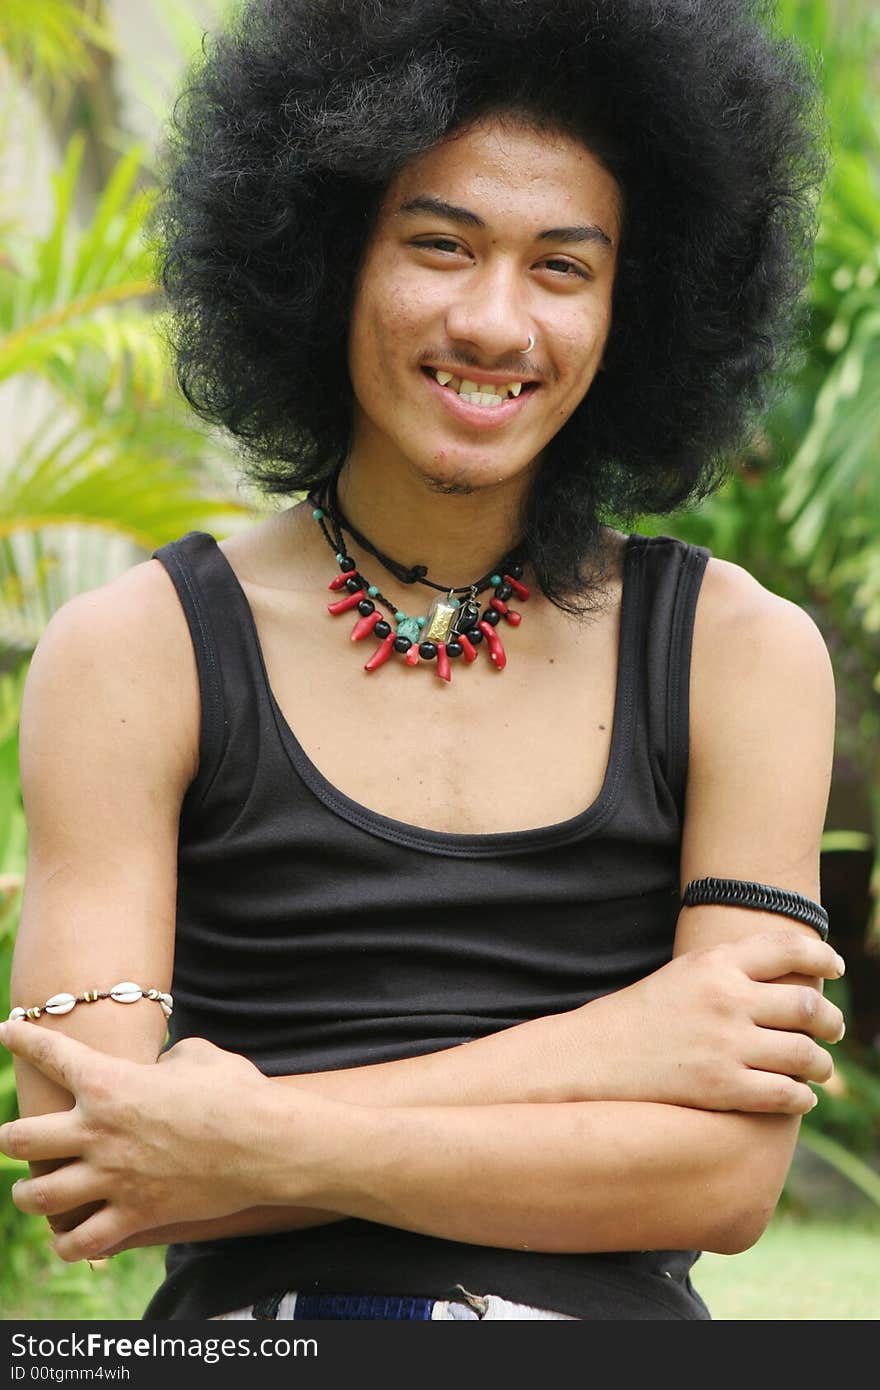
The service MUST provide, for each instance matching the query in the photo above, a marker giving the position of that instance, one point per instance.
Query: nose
(489, 314)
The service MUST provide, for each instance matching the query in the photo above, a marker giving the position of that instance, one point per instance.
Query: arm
(777, 822)
(109, 744)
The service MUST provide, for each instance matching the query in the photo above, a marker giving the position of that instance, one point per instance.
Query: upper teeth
(471, 390)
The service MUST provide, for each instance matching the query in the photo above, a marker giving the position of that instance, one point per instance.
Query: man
(447, 1043)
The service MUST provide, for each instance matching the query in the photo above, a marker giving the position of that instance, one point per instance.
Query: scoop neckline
(488, 843)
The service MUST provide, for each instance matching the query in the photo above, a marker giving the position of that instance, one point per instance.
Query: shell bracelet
(127, 992)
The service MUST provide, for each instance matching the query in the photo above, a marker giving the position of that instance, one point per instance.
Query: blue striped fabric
(362, 1305)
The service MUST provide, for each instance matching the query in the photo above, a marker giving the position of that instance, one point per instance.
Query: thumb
(60, 1058)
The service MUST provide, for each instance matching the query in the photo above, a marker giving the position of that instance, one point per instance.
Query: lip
(482, 417)
(480, 377)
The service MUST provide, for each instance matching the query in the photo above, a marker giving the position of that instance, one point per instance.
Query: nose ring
(530, 346)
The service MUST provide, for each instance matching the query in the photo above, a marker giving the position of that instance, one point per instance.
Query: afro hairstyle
(298, 115)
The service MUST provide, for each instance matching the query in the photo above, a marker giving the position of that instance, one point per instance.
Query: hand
(715, 1029)
(156, 1145)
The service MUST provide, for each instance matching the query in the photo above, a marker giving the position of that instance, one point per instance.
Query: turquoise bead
(421, 621)
(339, 558)
(399, 617)
(318, 513)
(495, 580)
(455, 603)
(372, 591)
(408, 627)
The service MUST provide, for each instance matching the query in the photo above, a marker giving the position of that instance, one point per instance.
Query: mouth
(485, 395)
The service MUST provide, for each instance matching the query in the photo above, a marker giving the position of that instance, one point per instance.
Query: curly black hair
(299, 114)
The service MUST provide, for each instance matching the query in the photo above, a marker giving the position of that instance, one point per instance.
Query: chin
(462, 478)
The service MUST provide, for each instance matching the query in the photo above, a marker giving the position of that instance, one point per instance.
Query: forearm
(560, 1057)
(254, 1221)
(578, 1177)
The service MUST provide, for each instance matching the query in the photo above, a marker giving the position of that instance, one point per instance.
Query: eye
(568, 269)
(445, 245)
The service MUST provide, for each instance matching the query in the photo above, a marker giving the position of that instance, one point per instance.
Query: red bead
(497, 654)
(443, 670)
(498, 604)
(513, 617)
(381, 654)
(344, 605)
(519, 589)
(364, 626)
(470, 651)
(339, 582)
(412, 656)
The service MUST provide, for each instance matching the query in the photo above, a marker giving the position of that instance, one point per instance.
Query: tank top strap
(672, 573)
(226, 650)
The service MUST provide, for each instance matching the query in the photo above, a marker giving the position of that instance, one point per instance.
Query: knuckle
(808, 1003)
(12, 1140)
(38, 1199)
(83, 1246)
(805, 1056)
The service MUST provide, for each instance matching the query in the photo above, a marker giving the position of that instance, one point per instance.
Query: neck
(458, 535)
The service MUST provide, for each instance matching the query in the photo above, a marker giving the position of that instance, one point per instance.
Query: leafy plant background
(103, 463)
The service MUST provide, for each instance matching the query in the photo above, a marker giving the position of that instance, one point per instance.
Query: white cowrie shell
(166, 1008)
(59, 1004)
(166, 999)
(126, 993)
(16, 1014)
(152, 994)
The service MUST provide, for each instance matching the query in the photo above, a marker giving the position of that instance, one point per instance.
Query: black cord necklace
(453, 626)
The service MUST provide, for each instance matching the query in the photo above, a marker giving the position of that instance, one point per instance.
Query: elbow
(740, 1232)
(744, 1215)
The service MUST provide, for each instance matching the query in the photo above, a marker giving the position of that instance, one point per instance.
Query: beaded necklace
(454, 626)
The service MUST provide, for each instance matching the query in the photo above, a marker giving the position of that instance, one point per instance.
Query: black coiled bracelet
(737, 892)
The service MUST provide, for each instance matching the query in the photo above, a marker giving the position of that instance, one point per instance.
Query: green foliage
(53, 43)
(802, 510)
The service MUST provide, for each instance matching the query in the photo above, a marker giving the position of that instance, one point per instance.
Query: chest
(486, 752)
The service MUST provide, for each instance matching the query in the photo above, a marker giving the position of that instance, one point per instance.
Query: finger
(60, 1058)
(95, 1237)
(58, 1192)
(797, 1008)
(791, 1054)
(769, 1093)
(42, 1137)
(767, 955)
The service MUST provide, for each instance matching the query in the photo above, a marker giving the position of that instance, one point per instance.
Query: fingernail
(841, 964)
(815, 1101)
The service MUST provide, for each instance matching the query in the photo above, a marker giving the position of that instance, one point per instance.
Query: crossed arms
(663, 1116)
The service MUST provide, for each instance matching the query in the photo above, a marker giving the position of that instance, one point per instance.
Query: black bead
(382, 628)
(347, 564)
(454, 649)
(516, 571)
(468, 615)
(474, 636)
(492, 616)
(366, 606)
(503, 592)
(427, 651)
(353, 584)
(401, 644)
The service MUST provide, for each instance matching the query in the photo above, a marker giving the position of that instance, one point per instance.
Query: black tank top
(315, 934)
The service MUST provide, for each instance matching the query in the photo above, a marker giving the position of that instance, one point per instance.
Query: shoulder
(120, 653)
(749, 641)
(762, 719)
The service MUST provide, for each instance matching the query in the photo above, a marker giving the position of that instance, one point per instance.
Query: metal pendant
(440, 621)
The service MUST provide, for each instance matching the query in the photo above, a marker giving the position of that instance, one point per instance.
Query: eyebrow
(464, 217)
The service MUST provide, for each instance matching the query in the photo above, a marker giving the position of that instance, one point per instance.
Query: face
(498, 234)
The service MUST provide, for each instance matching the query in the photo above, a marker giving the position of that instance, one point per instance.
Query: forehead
(502, 167)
